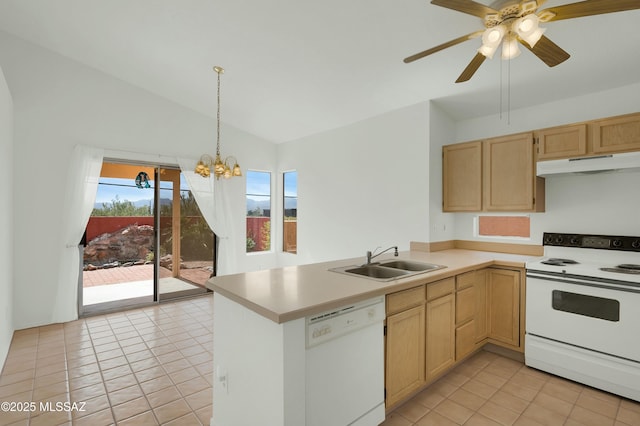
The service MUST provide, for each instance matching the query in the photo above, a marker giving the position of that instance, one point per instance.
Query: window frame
(284, 209)
(270, 195)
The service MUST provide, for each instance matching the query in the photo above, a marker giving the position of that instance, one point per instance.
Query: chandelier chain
(218, 115)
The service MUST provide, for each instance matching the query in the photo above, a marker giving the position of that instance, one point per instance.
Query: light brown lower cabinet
(404, 344)
(482, 313)
(441, 322)
(429, 328)
(504, 305)
(466, 311)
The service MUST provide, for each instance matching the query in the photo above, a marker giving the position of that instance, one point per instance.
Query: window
(290, 212)
(504, 226)
(258, 211)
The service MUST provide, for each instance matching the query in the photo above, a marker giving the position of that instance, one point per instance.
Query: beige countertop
(285, 294)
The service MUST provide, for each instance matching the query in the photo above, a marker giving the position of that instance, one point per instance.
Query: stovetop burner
(629, 266)
(625, 268)
(556, 261)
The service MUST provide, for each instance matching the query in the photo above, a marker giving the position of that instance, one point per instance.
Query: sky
(126, 189)
(258, 183)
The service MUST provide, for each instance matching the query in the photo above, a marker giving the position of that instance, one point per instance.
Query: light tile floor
(490, 390)
(154, 366)
(143, 367)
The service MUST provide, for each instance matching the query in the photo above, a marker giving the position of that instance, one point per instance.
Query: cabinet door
(504, 305)
(440, 335)
(462, 177)
(405, 354)
(562, 142)
(509, 178)
(465, 339)
(481, 319)
(619, 134)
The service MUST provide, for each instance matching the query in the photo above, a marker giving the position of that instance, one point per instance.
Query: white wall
(6, 219)
(59, 103)
(599, 204)
(442, 129)
(361, 186)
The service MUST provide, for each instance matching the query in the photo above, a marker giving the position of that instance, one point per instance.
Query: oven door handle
(583, 281)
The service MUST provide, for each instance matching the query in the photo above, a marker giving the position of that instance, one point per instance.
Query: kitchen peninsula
(261, 345)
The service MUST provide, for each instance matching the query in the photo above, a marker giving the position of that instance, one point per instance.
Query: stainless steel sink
(376, 271)
(410, 265)
(388, 271)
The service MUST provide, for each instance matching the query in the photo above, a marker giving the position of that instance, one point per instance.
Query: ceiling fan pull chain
(509, 92)
(501, 84)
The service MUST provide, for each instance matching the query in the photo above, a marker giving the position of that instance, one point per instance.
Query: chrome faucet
(371, 256)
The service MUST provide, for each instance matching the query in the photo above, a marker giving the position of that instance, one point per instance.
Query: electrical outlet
(223, 378)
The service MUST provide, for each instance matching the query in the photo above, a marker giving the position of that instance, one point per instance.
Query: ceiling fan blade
(587, 8)
(471, 69)
(466, 6)
(549, 52)
(442, 46)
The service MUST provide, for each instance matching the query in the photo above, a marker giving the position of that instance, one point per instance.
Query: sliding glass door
(145, 242)
(186, 244)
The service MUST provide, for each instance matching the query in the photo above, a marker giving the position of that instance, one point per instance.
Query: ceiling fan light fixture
(493, 36)
(510, 48)
(487, 51)
(528, 30)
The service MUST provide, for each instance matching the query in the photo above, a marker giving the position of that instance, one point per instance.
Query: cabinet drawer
(440, 288)
(465, 280)
(465, 305)
(402, 300)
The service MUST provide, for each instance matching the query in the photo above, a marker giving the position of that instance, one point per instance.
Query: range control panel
(604, 242)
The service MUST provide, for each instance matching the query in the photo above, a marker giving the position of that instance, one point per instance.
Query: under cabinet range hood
(587, 165)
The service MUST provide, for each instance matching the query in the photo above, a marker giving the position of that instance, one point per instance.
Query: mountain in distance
(289, 203)
(139, 203)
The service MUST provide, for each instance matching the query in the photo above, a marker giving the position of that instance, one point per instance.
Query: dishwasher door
(345, 366)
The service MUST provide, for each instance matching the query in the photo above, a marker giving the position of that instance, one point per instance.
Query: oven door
(594, 315)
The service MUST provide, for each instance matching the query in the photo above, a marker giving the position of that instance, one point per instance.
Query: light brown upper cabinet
(462, 177)
(597, 137)
(617, 134)
(496, 174)
(509, 178)
(562, 142)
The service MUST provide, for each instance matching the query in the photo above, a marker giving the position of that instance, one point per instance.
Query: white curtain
(214, 201)
(82, 184)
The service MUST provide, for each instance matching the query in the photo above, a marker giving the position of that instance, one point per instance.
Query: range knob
(559, 239)
(548, 239)
(617, 243)
(635, 244)
(574, 241)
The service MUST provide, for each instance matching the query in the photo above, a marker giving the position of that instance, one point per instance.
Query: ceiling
(300, 67)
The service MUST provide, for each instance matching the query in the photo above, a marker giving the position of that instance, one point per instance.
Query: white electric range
(583, 311)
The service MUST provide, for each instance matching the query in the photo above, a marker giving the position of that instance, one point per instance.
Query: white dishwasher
(345, 365)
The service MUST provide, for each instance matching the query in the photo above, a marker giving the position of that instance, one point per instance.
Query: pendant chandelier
(220, 168)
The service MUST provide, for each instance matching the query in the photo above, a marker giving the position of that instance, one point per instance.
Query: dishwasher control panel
(338, 322)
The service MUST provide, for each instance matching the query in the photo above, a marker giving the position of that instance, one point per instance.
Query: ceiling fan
(510, 23)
